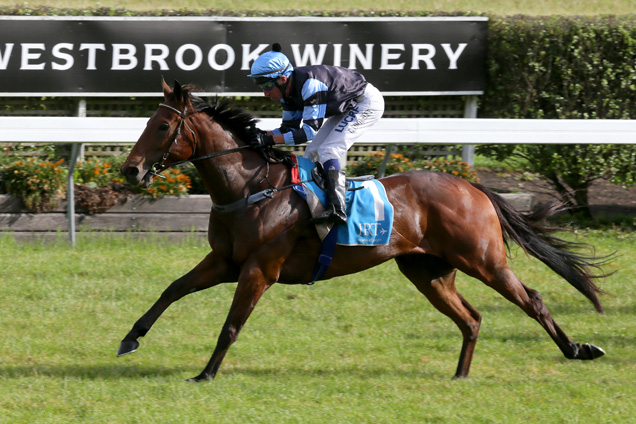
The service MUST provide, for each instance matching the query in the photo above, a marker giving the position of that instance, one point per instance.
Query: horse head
(166, 140)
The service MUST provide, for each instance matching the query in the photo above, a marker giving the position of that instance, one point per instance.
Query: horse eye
(164, 126)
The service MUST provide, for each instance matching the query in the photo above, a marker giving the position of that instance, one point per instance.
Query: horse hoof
(127, 347)
(199, 378)
(591, 351)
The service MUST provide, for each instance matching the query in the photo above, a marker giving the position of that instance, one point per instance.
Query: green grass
(498, 7)
(366, 348)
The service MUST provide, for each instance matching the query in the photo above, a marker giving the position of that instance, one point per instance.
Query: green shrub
(104, 172)
(564, 68)
(175, 183)
(38, 183)
(450, 166)
(97, 172)
(399, 163)
(371, 164)
(561, 67)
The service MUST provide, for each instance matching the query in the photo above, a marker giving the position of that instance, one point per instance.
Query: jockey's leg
(333, 141)
(336, 191)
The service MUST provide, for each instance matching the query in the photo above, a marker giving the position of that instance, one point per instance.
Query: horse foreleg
(251, 286)
(210, 272)
(436, 280)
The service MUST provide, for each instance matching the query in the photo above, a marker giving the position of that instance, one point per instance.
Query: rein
(157, 167)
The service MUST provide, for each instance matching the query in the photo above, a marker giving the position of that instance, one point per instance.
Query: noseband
(157, 167)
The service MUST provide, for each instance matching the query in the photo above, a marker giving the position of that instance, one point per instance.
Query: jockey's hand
(262, 139)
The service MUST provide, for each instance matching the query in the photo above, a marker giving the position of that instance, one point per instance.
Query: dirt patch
(605, 198)
(94, 200)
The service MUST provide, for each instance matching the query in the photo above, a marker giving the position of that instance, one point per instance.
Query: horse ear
(167, 91)
(178, 94)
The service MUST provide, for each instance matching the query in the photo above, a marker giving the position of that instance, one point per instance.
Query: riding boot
(336, 191)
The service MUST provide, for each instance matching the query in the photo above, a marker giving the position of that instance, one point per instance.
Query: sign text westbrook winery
(129, 56)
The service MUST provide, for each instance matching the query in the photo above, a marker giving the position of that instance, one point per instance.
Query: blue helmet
(271, 64)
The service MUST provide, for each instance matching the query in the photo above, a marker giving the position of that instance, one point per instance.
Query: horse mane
(238, 120)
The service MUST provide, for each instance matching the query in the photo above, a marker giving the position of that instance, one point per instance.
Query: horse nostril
(130, 171)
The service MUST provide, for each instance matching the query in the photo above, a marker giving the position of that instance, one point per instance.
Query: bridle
(158, 167)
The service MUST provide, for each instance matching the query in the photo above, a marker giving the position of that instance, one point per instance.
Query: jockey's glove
(262, 139)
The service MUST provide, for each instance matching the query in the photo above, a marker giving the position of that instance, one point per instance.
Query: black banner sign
(128, 56)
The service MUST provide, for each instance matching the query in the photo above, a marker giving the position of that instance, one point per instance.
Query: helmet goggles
(266, 84)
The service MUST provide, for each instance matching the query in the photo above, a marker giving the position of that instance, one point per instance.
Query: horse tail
(561, 256)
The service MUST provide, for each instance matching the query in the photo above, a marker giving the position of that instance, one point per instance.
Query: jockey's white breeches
(339, 132)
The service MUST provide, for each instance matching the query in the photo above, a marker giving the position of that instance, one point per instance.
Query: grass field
(499, 7)
(366, 348)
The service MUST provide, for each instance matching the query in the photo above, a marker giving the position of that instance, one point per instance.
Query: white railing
(386, 131)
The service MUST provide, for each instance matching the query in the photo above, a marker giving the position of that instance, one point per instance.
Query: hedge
(557, 67)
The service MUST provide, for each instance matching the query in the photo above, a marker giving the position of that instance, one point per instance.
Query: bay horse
(442, 224)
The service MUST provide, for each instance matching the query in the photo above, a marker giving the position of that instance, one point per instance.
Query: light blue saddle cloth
(369, 212)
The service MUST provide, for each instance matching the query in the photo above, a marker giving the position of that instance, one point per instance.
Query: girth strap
(253, 198)
(325, 258)
(246, 201)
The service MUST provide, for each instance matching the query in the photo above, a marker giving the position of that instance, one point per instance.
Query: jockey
(327, 105)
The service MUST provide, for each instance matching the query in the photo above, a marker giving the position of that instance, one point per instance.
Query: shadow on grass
(90, 372)
(270, 373)
(529, 338)
(360, 373)
(119, 372)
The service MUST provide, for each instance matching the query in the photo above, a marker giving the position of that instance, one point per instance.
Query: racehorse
(442, 224)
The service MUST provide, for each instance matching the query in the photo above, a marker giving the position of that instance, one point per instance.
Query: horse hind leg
(435, 279)
(509, 286)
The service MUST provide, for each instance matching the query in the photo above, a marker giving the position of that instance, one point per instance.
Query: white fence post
(470, 111)
(77, 150)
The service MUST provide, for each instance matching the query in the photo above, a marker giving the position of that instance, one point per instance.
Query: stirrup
(329, 217)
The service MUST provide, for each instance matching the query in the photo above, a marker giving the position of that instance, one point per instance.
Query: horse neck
(228, 177)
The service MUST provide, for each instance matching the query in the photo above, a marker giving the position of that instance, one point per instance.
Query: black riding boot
(336, 191)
